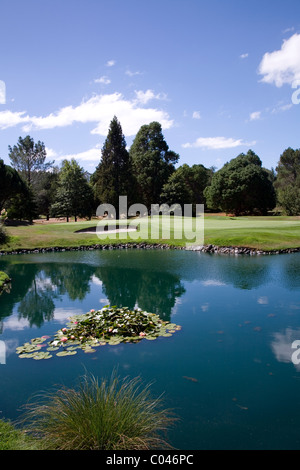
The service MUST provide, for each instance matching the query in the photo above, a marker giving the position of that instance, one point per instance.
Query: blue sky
(218, 75)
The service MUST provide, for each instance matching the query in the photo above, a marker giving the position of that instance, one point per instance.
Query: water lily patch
(97, 328)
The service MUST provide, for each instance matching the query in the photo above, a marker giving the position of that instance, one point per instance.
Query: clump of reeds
(111, 415)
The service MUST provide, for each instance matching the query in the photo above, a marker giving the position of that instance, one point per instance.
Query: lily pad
(110, 325)
(41, 355)
(66, 353)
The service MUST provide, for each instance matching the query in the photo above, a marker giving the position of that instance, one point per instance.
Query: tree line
(30, 187)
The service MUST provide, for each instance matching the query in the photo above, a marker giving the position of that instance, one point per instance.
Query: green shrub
(13, 439)
(3, 234)
(112, 415)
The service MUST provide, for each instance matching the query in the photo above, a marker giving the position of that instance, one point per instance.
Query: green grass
(4, 279)
(14, 439)
(266, 233)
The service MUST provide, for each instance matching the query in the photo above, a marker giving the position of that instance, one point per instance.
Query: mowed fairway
(266, 233)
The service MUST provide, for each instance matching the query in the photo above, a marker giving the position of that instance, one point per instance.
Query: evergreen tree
(242, 186)
(186, 185)
(287, 183)
(11, 184)
(28, 157)
(45, 190)
(74, 195)
(113, 176)
(153, 163)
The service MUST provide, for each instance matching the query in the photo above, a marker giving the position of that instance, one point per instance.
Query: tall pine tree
(113, 176)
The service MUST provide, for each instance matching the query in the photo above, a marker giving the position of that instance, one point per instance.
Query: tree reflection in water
(36, 287)
(150, 280)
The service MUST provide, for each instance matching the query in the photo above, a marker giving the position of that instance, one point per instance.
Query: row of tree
(31, 187)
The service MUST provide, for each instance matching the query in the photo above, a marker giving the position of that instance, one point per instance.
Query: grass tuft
(110, 415)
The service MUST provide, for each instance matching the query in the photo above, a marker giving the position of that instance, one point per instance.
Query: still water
(228, 374)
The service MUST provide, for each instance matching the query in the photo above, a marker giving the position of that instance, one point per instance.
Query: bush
(112, 415)
(13, 439)
(3, 234)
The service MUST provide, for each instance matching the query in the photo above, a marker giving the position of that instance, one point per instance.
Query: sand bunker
(107, 229)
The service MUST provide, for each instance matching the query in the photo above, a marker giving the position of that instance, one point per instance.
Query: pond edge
(211, 249)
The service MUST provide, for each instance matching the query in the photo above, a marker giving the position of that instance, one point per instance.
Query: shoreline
(211, 249)
(5, 283)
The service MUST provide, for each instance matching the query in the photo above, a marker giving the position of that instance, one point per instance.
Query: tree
(45, 190)
(242, 186)
(113, 176)
(11, 184)
(186, 185)
(153, 163)
(22, 206)
(28, 157)
(287, 183)
(74, 196)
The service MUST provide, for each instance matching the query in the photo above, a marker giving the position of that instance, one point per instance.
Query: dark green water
(239, 317)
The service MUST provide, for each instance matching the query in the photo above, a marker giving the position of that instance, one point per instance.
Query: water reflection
(282, 345)
(154, 281)
(239, 318)
(38, 304)
(37, 287)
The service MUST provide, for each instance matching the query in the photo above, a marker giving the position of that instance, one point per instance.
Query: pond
(228, 373)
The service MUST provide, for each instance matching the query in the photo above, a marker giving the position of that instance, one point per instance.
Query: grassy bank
(14, 439)
(265, 233)
(4, 279)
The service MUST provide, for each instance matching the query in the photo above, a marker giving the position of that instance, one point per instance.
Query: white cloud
(110, 63)
(217, 143)
(2, 92)
(132, 74)
(196, 115)
(11, 119)
(244, 56)
(288, 30)
(100, 110)
(91, 155)
(255, 116)
(143, 97)
(282, 66)
(281, 108)
(103, 80)
(50, 152)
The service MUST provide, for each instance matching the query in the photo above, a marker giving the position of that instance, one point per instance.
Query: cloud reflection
(282, 345)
